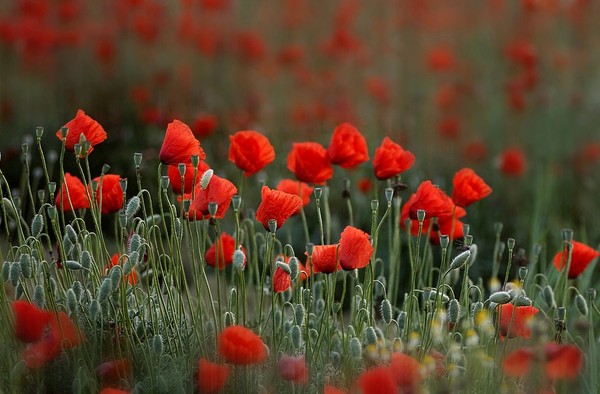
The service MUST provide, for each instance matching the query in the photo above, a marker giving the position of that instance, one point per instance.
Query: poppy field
(223, 196)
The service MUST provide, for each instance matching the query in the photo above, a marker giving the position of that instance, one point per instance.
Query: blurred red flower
(512, 162)
(310, 162)
(468, 187)
(82, 124)
(238, 345)
(111, 390)
(109, 195)
(74, 190)
(204, 125)
(432, 200)
(475, 151)
(324, 259)
(292, 369)
(355, 249)
(440, 59)
(62, 334)
(559, 361)
(111, 373)
(226, 245)
(329, 389)
(391, 159)
(188, 177)
(517, 318)
(300, 189)
(131, 277)
(378, 89)
(581, 256)
(219, 190)
(449, 127)
(407, 372)
(212, 377)
(377, 380)
(348, 147)
(250, 151)
(30, 321)
(179, 145)
(276, 205)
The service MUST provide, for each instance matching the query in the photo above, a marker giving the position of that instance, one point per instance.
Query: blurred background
(510, 88)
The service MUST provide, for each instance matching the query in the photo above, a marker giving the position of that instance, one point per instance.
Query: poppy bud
(548, 296)
(164, 182)
(310, 247)
(229, 319)
(157, 345)
(41, 195)
(500, 297)
(581, 305)
(370, 336)
(71, 300)
(355, 348)
(294, 268)
(39, 296)
(386, 311)
(236, 201)
(73, 265)
(299, 314)
(296, 336)
(206, 177)
(460, 260)
(105, 290)
(37, 225)
(239, 259)
(453, 310)
(132, 207)
(591, 294)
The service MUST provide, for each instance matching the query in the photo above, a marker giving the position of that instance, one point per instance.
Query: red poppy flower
(559, 361)
(281, 280)
(379, 90)
(30, 321)
(250, 151)
(443, 224)
(407, 372)
(432, 200)
(276, 205)
(212, 377)
(377, 380)
(440, 59)
(355, 249)
(468, 187)
(329, 389)
(110, 390)
(518, 323)
(512, 162)
(239, 345)
(391, 160)
(300, 189)
(310, 162)
(449, 127)
(475, 151)
(131, 278)
(365, 185)
(325, 259)
(581, 256)
(293, 369)
(62, 334)
(72, 189)
(348, 147)
(82, 124)
(188, 177)
(179, 145)
(226, 245)
(109, 195)
(219, 190)
(111, 373)
(204, 125)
